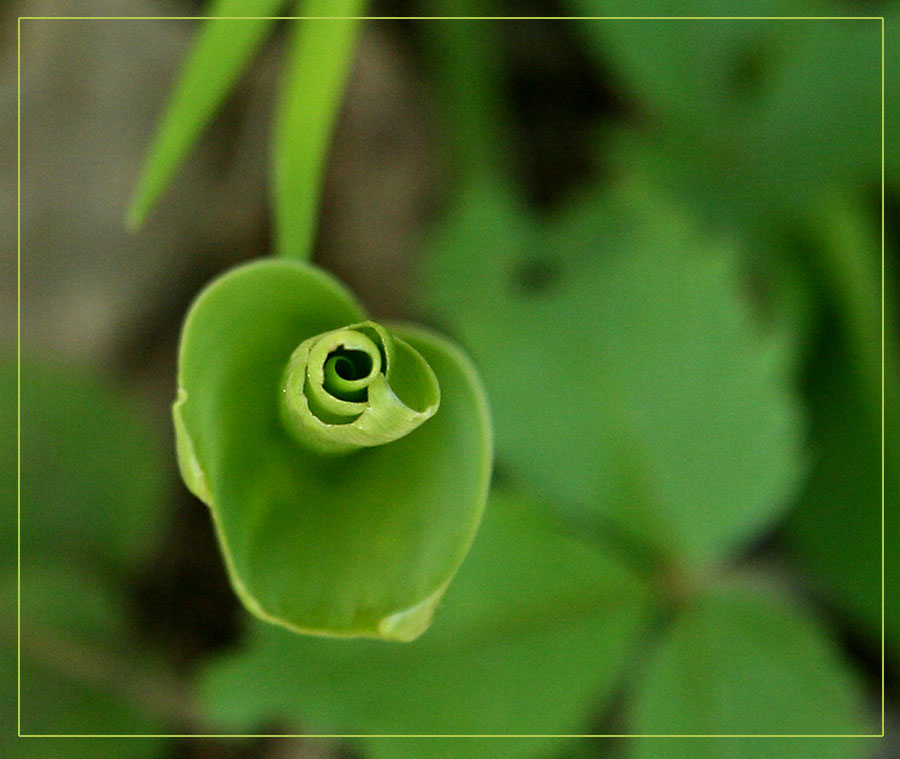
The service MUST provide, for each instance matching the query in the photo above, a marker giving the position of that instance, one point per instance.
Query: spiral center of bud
(356, 387)
(347, 373)
(349, 364)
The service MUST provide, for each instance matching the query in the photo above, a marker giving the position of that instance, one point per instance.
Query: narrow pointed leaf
(321, 52)
(219, 55)
(350, 542)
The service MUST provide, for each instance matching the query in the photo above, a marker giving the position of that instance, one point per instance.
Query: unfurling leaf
(338, 392)
(343, 497)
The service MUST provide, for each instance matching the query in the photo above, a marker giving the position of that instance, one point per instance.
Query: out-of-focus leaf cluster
(91, 511)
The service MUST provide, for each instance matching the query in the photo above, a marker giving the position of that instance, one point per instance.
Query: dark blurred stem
(155, 690)
(852, 276)
(467, 60)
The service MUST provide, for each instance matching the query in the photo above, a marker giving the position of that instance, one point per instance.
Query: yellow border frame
(19, 21)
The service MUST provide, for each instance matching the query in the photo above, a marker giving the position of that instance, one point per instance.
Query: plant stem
(319, 59)
(155, 690)
(467, 66)
(847, 253)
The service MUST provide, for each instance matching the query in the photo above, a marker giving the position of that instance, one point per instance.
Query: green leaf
(73, 632)
(469, 75)
(684, 71)
(355, 544)
(819, 123)
(321, 52)
(93, 467)
(531, 639)
(891, 93)
(625, 370)
(750, 119)
(218, 57)
(741, 660)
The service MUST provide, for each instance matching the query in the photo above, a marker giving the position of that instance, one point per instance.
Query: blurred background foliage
(660, 241)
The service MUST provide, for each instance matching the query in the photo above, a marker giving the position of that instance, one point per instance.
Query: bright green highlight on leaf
(219, 56)
(356, 387)
(321, 52)
(347, 544)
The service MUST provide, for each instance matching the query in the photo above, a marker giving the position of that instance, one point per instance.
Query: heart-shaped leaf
(321, 540)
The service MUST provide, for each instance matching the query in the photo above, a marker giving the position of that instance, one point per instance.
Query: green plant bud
(356, 387)
(346, 467)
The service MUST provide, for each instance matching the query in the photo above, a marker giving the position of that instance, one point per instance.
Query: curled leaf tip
(356, 387)
(191, 471)
(407, 625)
